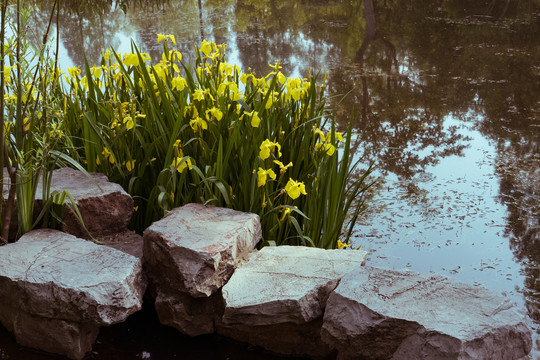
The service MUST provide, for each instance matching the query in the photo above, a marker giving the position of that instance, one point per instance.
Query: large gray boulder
(57, 290)
(276, 300)
(189, 255)
(385, 314)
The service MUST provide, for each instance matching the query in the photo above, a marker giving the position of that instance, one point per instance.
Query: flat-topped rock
(277, 298)
(190, 254)
(195, 248)
(73, 285)
(385, 314)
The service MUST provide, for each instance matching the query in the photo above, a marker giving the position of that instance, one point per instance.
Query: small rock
(385, 314)
(68, 338)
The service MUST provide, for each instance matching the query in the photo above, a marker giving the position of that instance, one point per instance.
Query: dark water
(445, 97)
(143, 337)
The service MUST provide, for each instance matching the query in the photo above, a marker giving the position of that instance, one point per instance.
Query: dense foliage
(171, 135)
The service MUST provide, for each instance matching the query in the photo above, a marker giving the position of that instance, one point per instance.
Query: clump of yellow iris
(215, 101)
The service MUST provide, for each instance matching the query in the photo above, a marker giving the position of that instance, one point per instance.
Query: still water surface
(445, 97)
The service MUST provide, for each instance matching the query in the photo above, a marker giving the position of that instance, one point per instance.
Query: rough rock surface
(385, 314)
(128, 241)
(104, 206)
(189, 255)
(57, 290)
(68, 338)
(276, 300)
(192, 316)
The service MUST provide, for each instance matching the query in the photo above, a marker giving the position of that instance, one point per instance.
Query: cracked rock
(385, 314)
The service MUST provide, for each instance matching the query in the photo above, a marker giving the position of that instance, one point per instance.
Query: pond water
(445, 99)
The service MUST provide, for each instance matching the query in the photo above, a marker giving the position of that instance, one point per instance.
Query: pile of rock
(56, 289)
(206, 276)
(300, 301)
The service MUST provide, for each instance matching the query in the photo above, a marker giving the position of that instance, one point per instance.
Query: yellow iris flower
(341, 245)
(198, 95)
(326, 147)
(225, 69)
(206, 47)
(181, 166)
(198, 124)
(131, 60)
(267, 147)
(130, 164)
(338, 135)
(96, 71)
(179, 83)
(286, 212)
(319, 132)
(295, 188)
(215, 112)
(107, 155)
(128, 121)
(276, 66)
(255, 119)
(262, 176)
(281, 77)
(233, 89)
(282, 168)
(162, 37)
(74, 71)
